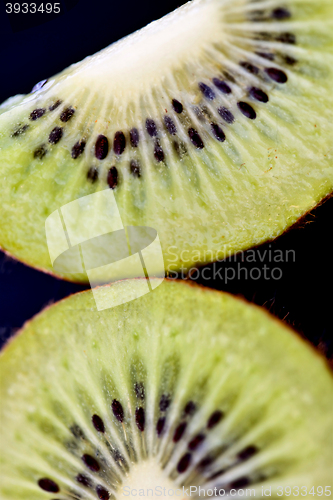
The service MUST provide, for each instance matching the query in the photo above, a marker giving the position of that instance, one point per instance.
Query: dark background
(34, 47)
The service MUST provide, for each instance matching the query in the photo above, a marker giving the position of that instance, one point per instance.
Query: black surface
(34, 49)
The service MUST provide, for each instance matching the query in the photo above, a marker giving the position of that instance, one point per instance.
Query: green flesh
(204, 203)
(187, 343)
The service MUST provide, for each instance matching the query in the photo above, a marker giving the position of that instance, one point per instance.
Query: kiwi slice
(183, 387)
(212, 126)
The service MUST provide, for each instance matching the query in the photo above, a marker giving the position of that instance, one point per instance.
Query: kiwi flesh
(182, 387)
(212, 126)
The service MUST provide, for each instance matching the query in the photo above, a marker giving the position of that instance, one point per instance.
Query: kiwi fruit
(183, 387)
(213, 126)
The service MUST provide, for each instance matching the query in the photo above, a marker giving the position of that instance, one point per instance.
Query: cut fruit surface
(213, 126)
(182, 387)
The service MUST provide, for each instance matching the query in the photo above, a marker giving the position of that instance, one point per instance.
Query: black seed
(164, 402)
(20, 130)
(140, 419)
(78, 149)
(218, 132)
(136, 172)
(151, 127)
(226, 115)
(160, 425)
(102, 493)
(218, 473)
(214, 419)
(119, 143)
(179, 432)
(177, 106)
(158, 152)
(205, 462)
(67, 114)
(249, 67)
(289, 60)
(258, 94)
(266, 55)
(184, 462)
(55, 135)
(247, 452)
(112, 182)
(84, 480)
(48, 485)
(55, 105)
(240, 483)
(222, 86)
(134, 137)
(37, 113)
(40, 152)
(101, 147)
(170, 125)
(196, 441)
(138, 387)
(98, 423)
(286, 38)
(280, 13)
(207, 91)
(77, 432)
(116, 406)
(277, 75)
(38, 86)
(91, 463)
(247, 110)
(92, 174)
(190, 408)
(195, 138)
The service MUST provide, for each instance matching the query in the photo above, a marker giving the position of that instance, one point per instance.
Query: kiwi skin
(323, 345)
(293, 331)
(299, 224)
(319, 354)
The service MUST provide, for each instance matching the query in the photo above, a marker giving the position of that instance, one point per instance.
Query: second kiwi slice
(213, 126)
(180, 389)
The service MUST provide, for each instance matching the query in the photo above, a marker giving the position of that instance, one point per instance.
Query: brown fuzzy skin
(300, 223)
(293, 331)
(317, 352)
(305, 219)
(45, 271)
